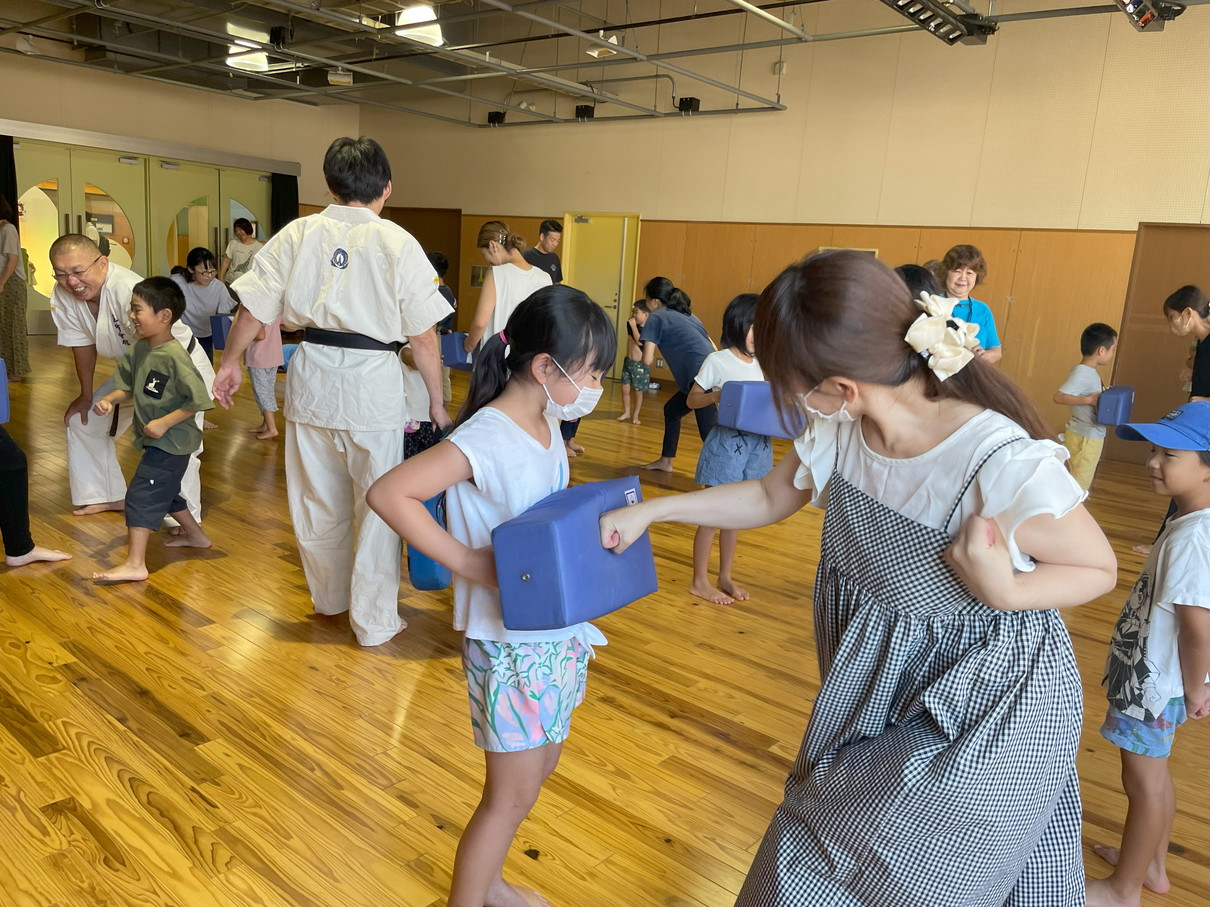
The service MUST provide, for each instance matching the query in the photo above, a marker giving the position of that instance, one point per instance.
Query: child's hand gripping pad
(453, 351)
(1115, 405)
(748, 406)
(550, 565)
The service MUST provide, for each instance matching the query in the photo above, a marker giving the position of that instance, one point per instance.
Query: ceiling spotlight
(585, 112)
(411, 23)
(946, 20)
(496, 117)
(598, 51)
(1150, 15)
(527, 105)
(340, 77)
(25, 44)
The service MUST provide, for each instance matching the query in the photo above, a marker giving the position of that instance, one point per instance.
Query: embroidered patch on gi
(155, 384)
(340, 259)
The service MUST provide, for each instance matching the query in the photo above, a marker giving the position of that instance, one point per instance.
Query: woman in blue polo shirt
(963, 269)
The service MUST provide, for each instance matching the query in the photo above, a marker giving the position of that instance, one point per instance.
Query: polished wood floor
(204, 739)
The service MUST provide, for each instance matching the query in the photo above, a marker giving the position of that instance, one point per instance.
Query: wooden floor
(204, 739)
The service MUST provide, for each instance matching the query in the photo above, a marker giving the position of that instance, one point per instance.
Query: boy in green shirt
(167, 390)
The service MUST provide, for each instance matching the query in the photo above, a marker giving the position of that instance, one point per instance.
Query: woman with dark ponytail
(684, 344)
(503, 457)
(940, 755)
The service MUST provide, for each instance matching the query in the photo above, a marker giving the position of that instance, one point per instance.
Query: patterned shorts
(636, 374)
(731, 455)
(522, 694)
(1147, 738)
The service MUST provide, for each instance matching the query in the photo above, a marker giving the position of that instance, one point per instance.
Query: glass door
(109, 203)
(45, 213)
(246, 194)
(185, 211)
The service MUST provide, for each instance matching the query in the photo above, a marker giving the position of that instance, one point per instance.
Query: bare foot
(570, 453)
(122, 574)
(1141, 549)
(1156, 879)
(266, 435)
(1099, 893)
(663, 464)
(623, 417)
(258, 429)
(709, 593)
(635, 421)
(37, 553)
(502, 894)
(88, 509)
(188, 540)
(207, 425)
(739, 593)
(572, 445)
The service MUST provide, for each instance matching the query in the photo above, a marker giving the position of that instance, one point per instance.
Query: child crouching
(167, 391)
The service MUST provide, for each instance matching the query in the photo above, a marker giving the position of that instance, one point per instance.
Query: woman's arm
(483, 312)
(1075, 563)
(399, 495)
(10, 268)
(739, 505)
(648, 353)
(700, 397)
(223, 266)
(1193, 646)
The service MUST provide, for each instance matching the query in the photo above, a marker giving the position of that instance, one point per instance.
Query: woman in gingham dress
(938, 766)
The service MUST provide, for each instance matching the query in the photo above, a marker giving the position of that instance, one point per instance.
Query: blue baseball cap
(1185, 428)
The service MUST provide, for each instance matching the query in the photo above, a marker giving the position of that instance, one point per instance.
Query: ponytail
(558, 320)
(497, 231)
(661, 288)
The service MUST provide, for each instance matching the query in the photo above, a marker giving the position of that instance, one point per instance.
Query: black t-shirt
(547, 261)
(1200, 385)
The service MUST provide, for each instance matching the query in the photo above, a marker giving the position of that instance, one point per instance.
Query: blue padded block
(1115, 405)
(424, 572)
(220, 326)
(453, 354)
(4, 414)
(550, 565)
(748, 406)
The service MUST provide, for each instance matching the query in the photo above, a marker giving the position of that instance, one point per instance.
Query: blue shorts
(731, 455)
(155, 488)
(1147, 738)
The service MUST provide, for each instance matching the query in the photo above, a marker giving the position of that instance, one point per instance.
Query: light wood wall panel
(1166, 257)
(718, 267)
(470, 256)
(1063, 281)
(437, 230)
(895, 245)
(776, 246)
(999, 248)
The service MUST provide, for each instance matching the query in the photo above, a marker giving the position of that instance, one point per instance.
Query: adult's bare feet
(37, 554)
(663, 464)
(88, 509)
(123, 574)
(572, 445)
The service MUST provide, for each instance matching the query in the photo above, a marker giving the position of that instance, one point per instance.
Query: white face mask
(585, 402)
(841, 415)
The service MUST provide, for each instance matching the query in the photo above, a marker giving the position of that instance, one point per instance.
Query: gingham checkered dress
(938, 766)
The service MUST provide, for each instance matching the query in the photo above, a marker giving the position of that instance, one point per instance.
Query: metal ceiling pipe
(771, 19)
(634, 54)
(726, 111)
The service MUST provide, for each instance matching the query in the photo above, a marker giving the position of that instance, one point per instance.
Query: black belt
(348, 340)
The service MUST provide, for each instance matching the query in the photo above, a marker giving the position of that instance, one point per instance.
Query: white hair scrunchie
(945, 341)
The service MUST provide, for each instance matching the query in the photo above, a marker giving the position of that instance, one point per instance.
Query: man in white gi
(91, 308)
(358, 286)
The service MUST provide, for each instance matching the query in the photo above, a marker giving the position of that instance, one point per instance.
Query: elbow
(376, 497)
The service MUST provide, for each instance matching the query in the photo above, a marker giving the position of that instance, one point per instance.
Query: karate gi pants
(92, 459)
(350, 556)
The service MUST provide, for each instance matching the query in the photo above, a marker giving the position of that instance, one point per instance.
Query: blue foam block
(1115, 405)
(220, 326)
(748, 406)
(424, 572)
(453, 352)
(550, 565)
(4, 412)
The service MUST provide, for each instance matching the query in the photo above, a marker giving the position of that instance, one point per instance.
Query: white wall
(1077, 123)
(54, 94)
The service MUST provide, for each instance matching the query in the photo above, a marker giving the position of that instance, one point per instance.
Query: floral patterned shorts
(1147, 738)
(522, 694)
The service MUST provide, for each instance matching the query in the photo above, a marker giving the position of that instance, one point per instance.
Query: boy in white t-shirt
(1083, 435)
(1159, 661)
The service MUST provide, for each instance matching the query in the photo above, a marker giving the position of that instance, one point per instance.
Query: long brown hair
(497, 231)
(843, 313)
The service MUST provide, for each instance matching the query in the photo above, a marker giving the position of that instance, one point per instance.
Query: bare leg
(1141, 860)
(638, 405)
(513, 783)
(191, 535)
(269, 429)
(726, 554)
(134, 568)
(88, 509)
(35, 554)
(700, 585)
(625, 403)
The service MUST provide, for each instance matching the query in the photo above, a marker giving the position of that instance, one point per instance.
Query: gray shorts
(731, 455)
(155, 488)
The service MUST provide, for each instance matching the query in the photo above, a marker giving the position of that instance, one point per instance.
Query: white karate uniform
(345, 269)
(92, 463)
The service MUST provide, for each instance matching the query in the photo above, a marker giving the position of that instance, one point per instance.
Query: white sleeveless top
(513, 286)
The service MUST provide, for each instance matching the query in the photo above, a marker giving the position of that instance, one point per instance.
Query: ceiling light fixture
(598, 51)
(1150, 15)
(945, 20)
(340, 77)
(410, 23)
(244, 50)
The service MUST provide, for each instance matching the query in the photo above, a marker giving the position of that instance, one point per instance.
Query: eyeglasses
(205, 270)
(63, 276)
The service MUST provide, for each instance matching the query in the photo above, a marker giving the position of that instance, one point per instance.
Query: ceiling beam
(770, 18)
